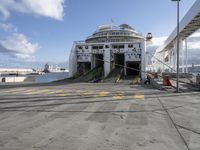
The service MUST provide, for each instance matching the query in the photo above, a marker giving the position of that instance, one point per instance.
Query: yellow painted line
(22, 91)
(119, 96)
(52, 92)
(56, 92)
(14, 90)
(88, 93)
(44, 91)
(38, 92)
(139, 96)
(30, 90)
(78, 91)
(63, 94)
(102, 94)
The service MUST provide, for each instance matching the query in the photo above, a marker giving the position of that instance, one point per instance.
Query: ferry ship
(110, 47)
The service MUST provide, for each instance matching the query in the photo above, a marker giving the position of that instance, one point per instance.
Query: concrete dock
(97, 116)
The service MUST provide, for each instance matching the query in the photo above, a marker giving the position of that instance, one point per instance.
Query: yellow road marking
(22, 91)
(118, 96)
(139, 96)
(102, 94)
(63, 94)
(53, 92)
(30, 90)
(38, 92)
(14, 90)
(78, 91)
(56, 92)
(88, 93)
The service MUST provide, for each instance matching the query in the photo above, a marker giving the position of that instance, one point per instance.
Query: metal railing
(113, 34)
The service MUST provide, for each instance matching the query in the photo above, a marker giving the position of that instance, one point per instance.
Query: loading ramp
(115, 75)
(95, 74)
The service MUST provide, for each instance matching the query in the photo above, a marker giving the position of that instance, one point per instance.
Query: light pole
(177, 74)
(186, 59)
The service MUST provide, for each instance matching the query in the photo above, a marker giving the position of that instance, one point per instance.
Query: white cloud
(47, 8)
(194, 41)
(194, 45)
(18, 45)
(7, 27)
(157, 41)
(194, 48)
(196, 34)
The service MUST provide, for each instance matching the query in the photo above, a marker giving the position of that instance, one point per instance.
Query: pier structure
(167, 53)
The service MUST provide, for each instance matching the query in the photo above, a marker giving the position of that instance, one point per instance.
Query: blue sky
(47, 28)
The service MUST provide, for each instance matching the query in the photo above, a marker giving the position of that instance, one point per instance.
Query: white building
(15, 71)
(108, 46)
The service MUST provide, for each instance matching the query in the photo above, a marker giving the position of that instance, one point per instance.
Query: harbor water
(41, 78)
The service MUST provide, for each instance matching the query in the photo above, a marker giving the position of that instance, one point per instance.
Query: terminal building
(110, 47)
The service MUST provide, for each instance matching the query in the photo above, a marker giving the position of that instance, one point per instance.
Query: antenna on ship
(112, 22)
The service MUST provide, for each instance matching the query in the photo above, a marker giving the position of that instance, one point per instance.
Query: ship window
(121, 46)
(100, 47)
(115, 46)
(94, 47)
(107, 46)
(130, 45)
(79, 47)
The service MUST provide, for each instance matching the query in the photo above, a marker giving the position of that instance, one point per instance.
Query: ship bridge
(111, 33)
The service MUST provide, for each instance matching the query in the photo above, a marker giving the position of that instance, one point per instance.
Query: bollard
(166, 81)
(198, 79)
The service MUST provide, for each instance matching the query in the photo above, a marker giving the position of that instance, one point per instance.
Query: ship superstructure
(110, 47)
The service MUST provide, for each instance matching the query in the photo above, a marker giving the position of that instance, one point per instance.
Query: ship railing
(113, 34)
(79, 42)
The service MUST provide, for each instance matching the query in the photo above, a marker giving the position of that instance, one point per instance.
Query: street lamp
(177, 74)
